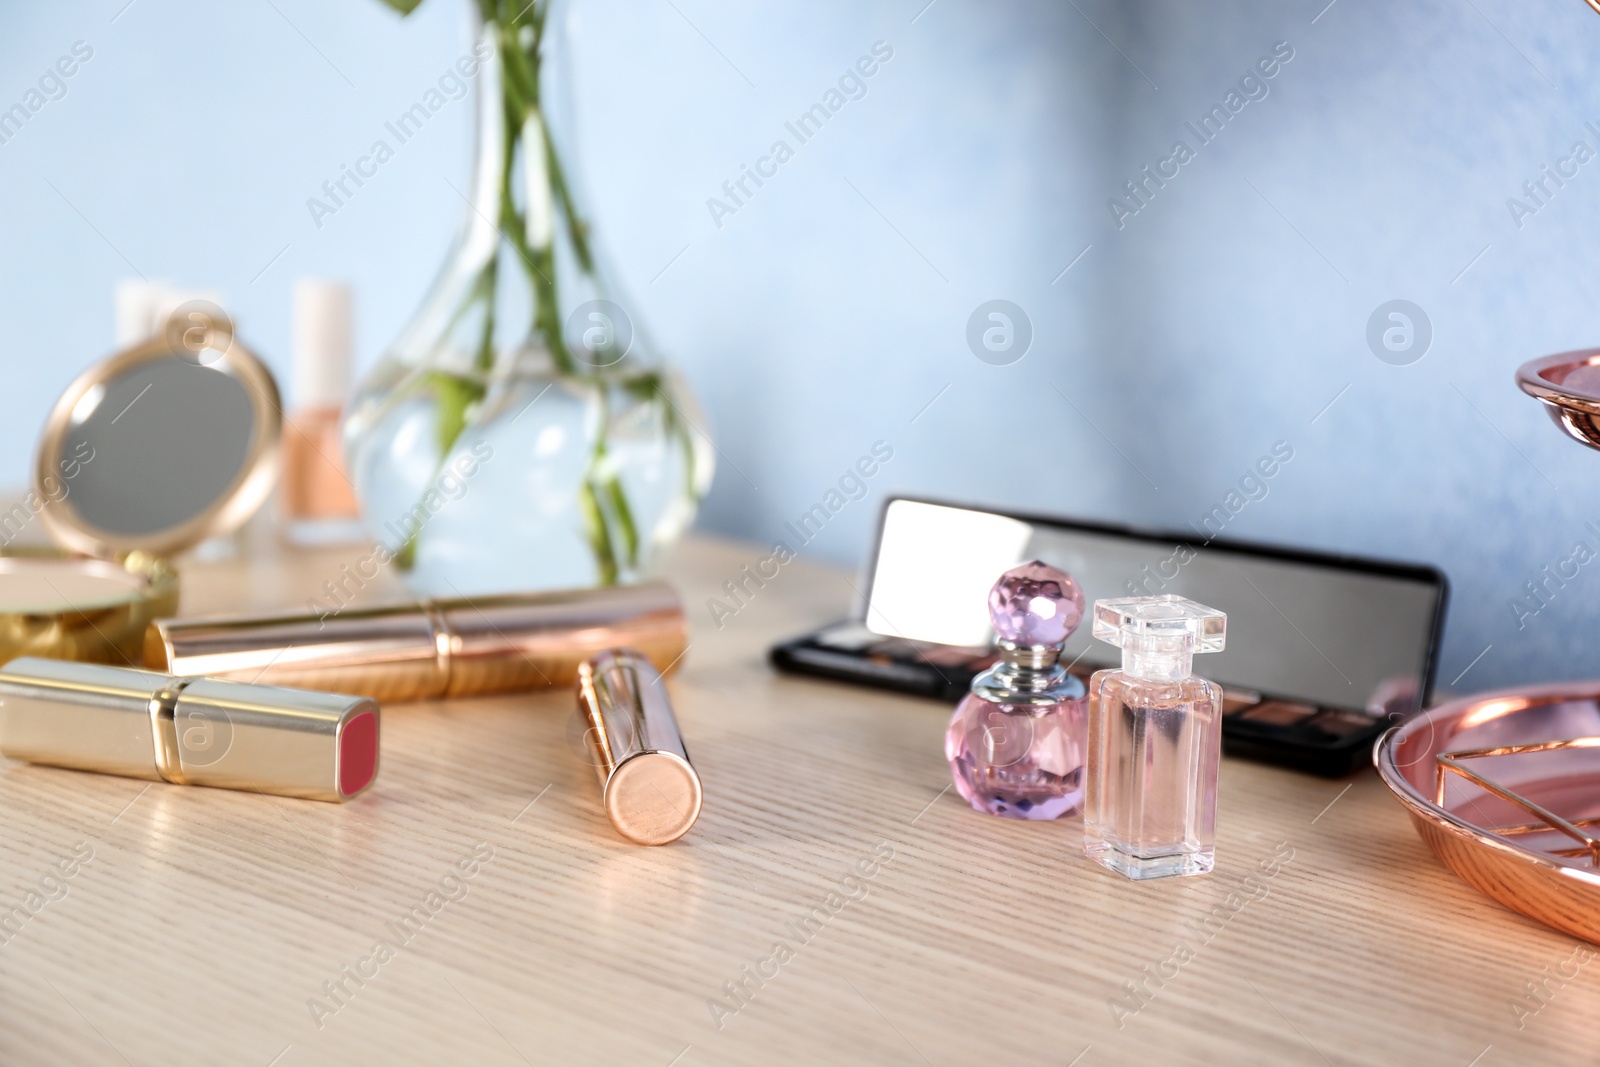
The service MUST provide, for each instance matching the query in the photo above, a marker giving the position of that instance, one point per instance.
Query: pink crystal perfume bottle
(1155, 740)
(1015, 743)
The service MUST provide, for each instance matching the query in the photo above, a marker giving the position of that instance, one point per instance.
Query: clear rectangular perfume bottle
(1155, 740)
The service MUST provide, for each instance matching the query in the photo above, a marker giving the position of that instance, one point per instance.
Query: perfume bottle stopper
(1035, 604)
(1159, 635)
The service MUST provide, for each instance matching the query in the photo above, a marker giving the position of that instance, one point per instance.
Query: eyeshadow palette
(1324, 652)
(850, 652)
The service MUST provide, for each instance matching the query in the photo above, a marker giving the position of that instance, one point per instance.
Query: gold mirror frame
(232, 507)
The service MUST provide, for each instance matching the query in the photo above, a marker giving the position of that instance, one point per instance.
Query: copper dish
(1569, 385)
(1513, 808)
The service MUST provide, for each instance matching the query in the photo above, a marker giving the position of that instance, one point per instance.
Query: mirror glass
(156, 446)
(1300, 629)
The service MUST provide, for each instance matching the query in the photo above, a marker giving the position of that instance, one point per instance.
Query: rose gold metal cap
(188, 731)
(432, 649)
(650, 790)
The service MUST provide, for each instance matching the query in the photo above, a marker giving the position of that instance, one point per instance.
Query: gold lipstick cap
(469, 646)
(650, 790)
(188, 731)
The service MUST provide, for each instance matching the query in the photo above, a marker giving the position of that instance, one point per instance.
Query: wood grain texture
(206, 920)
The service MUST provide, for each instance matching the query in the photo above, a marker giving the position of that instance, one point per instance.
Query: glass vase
(520, 434)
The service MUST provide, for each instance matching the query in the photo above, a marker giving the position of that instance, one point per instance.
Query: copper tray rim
(1424, 809)
(1531, 380)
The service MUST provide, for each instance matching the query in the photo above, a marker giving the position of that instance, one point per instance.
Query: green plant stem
(619, 506)
(518, 27)
(594, 520)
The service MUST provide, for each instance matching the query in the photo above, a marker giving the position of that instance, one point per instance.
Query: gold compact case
(188, 731)
(63, 606)
(146, 454)
(430, 649)
(649, 788)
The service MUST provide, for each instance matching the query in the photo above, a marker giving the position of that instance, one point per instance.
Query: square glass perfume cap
(1160, 625)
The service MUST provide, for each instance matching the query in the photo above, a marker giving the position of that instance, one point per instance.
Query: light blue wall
(1385, 153)
(827, 312)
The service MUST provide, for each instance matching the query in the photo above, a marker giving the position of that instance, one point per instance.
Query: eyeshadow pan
(971, 658)
(1279, 713)
(1234, 700)
(851, 638)
(1342, 723)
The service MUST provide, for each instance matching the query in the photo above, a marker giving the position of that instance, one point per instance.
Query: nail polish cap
(142, 308)
(320, 361)
(134, 302)
(1158, 635)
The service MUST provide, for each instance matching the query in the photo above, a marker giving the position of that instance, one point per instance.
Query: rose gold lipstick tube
(650, 790)
(188, 731)
(431, 649)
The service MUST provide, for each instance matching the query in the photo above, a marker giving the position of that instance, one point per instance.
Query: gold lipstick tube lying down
(188, 731)
(429, 649)
(650, 790)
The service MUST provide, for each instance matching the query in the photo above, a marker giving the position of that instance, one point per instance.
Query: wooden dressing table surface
(836, 902)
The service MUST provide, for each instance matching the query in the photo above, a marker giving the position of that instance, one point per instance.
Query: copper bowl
(1492, 843)
(1569, 385)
